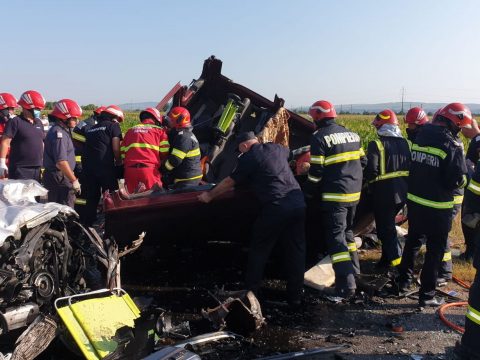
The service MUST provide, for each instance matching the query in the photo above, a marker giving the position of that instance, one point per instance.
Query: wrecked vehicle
(44, 254)
(220, 109)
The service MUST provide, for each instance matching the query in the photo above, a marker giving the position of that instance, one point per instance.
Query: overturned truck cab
(220, 109)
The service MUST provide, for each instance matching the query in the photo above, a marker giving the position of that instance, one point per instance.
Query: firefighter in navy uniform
(182, 167)
(101, 154)
(469, 348)
(24, 135)
(8, 103)
(265, 168)
(59, 154)
(387, 172)
(335, 182)
(437, 169)
(78, 137)
(472, 157)
(415, 119)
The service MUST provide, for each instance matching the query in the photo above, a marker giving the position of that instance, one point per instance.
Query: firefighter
(265, 168)
(78, 137)
(59, 154)
(437, 169)
(143, 149)
(415, 119)
(24, 135)
(387, 172)
(335, 183)
(101, 154)
(472, 158)
(469, 348)
(183, 163)
(8, 103)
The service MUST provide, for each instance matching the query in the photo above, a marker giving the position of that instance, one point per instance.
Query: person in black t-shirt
(24, 136)
(282, 217)
(101, 152)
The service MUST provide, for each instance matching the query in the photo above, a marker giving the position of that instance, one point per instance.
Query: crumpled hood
(18, 207)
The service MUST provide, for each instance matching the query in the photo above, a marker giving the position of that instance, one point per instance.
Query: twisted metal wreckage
(45, 253)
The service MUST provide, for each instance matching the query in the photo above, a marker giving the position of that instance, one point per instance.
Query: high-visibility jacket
(336, 161)
(387, 168)
(78, 138)
(437, 168)
(472, 192)
(183, 162)
(145, 144)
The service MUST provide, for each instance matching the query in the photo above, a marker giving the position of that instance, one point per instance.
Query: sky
(345, 51)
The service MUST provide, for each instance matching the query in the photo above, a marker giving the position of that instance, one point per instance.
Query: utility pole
(341, 109)
(403, 96)
(351, 109)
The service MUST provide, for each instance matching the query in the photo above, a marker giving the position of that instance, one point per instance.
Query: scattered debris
(320, 275)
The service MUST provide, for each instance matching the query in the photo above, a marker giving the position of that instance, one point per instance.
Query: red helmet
(31, 99)
(66, 109)
(154, 112)
(179, 117)
(386, 116)
(7, 101)
(459, 114)
(99, 110)
(115, 111)
(417, 116)
(322, 109)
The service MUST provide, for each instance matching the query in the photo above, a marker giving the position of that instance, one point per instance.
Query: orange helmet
(386, 116)
(178, 117)
(66, 109)
(115, 111)
(322, 109)
(459, 114)
(417, 116)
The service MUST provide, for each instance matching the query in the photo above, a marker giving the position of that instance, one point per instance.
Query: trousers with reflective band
(430, 203)
(340, 257)
(383, 174)
(474, 186)
(338, 197)
(473, 315)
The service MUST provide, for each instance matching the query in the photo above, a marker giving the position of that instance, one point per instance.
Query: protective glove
(3, 168)
(77, 187)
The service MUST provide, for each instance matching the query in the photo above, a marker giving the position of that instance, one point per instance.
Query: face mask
(37, 113)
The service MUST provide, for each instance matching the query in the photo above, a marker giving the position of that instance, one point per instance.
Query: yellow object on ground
(93, 319)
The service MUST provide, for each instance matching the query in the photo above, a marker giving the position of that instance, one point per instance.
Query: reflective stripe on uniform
(430, 150)
(164, 146)
(341, 256)
(78, 158)
(473, 315)
(168, 165)
(78, 137)
(464, 182)
(396, 262)
(192, 178)
(383, 174)
(314, 179)
(457, 199)
(341, 197)
(342, 157)
(447, 256)
(179, 153)
(430, 203)
(317, 159)
(141, 146)
(474, 186)
(193, 153)
(352, 247)
(79, 201)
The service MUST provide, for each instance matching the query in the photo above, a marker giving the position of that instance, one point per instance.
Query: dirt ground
(365, 326)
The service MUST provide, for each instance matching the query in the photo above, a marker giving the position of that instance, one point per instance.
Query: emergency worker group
(427, 171)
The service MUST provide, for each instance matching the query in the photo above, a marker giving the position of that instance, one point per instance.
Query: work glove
(77, 187)
(3, 168)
